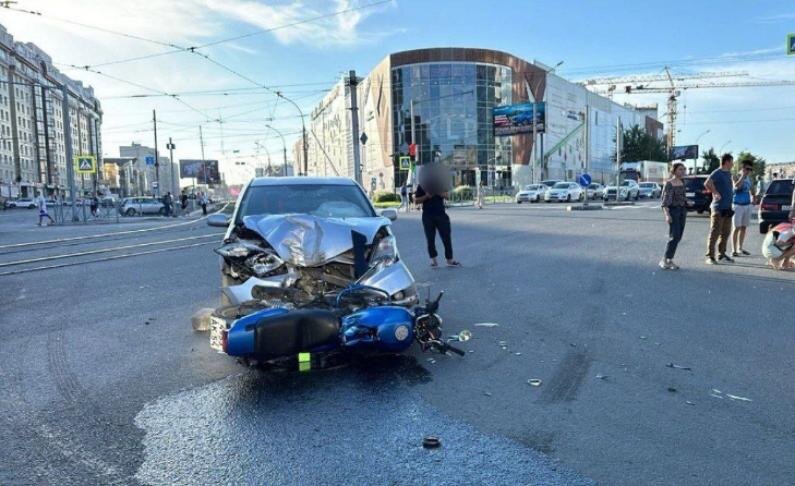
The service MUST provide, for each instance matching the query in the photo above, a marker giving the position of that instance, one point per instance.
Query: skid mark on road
(569, 376)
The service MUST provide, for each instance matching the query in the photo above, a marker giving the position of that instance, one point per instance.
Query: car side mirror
(390, 214)
(218, 220)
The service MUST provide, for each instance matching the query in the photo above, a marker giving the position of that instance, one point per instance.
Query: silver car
(651, 190)
(296, 241)
(132, 206)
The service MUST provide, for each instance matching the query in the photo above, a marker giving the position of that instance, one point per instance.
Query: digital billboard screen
(683, 152)
(204, 171)
(518, 118)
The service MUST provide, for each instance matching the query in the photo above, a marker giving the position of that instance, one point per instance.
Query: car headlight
(237, 249)
(385, 252)
(264, 263)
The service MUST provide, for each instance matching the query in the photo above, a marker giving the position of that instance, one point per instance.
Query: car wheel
(162, 211)
(518, 202)
(764, 227)
(637, 196)
(130, 212)
(568, 198)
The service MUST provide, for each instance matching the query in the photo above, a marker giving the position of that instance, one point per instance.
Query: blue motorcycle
(358, 319)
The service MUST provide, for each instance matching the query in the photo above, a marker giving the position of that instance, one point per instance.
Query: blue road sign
(150, 160)
(584, 180)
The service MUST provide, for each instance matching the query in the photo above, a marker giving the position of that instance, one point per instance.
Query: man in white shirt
(41, 203)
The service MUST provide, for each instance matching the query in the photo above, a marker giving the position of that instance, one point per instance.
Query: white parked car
(132, 206)
(652, 190)
(628, 189)
(595, 191)
(531, 193)
(564, 191)
(21, 203)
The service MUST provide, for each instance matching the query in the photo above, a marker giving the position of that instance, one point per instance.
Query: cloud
(337, 30)
(775, 19)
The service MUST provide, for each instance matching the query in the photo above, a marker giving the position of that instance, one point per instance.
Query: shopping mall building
(452, 92)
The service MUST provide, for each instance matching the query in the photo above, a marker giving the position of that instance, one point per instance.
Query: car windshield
(647, 185)
(594, 186)
(782, 187)
(323, 200)
(625, 183)
(531, 187)
(561, 185)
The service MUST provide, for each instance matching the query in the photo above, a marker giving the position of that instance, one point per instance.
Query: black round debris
(431, 442)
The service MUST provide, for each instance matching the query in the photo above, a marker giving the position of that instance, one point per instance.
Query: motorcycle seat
(294, 332)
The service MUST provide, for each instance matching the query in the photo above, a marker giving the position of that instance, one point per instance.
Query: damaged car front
(298, 242)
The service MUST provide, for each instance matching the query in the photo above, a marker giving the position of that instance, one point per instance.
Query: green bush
(386, 196)
(463, 193)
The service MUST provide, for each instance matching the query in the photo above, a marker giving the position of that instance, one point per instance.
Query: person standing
(167, 204)
(184, 201)
(434, 218)
(741, 205)
(719, 183)
(41, 203)
(203, 202)
(404, 199)
(674, 206)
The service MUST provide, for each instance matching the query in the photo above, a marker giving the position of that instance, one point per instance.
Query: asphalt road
(103, 380)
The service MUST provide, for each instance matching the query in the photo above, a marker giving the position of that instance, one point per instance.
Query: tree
(711, 160)
(641, 145)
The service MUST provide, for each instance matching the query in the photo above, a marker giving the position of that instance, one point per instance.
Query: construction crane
(674, 90)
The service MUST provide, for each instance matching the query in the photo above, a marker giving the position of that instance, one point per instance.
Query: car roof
(294, 181)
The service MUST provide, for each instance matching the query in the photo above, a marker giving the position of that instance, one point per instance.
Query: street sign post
(584, 180)
(405, 163)
(150, 160)
(85, 164)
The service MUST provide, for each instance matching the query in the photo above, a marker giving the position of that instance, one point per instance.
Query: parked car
(564, 191)
(650, 190)
(776, 204)
(21, 203)
(697, 194)
(595, 191)
(628, 189)
(293, 241)
(531, 193)
(131, 206)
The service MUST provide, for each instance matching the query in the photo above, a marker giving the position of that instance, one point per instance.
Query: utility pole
(46, 134)
(413, 141)
(619, 148)
(357, 163)
(201, 143)
(157, 155)
(67, 133)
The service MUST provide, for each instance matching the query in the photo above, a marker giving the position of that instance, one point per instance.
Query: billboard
(518, 118)
(204, 171)
(683, 152)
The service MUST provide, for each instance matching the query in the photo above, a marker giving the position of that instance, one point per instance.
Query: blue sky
(594, 39)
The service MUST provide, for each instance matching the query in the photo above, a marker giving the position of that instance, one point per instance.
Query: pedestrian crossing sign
(405, 163)
(85, 164)
(791, 45)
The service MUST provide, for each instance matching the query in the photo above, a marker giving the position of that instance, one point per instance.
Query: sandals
(454, 263)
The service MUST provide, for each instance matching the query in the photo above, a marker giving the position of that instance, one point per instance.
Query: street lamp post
(303, 132)
(284, 147)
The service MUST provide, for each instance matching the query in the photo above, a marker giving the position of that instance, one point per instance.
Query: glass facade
(452, 115)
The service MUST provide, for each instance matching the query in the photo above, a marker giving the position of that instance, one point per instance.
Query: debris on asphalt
(431, 360)
(488, 394)
(573, 345)
(431, 442)
(689, 402)
(715, 393)
(464, 335)
(503, 343)
(486, 324)
(601, 376)
(672, 389)
(679, 367)
(200, 320)
(643, 337)
(517, 354)
(738, 398)
(534, 382)
(471, 351)
(146, 323)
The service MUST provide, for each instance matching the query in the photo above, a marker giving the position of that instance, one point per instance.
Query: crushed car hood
(310, 241)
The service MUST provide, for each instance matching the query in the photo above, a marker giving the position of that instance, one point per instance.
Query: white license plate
(217, 330)
(786, 208)
(690, 194)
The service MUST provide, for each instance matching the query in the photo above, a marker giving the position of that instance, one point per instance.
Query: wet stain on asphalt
(358, 424)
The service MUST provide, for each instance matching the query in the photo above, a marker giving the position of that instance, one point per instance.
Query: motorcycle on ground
(358, 320)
